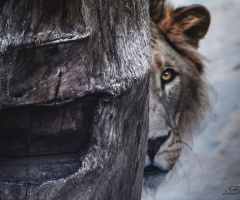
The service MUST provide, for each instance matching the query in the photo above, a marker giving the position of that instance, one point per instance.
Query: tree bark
(73, 98)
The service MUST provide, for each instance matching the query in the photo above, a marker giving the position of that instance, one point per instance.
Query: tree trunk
(73, 98)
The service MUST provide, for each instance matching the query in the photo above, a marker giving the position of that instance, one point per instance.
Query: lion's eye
(168, 76)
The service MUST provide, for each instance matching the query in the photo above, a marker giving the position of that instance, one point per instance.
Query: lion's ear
(191, 21)
(156, 9)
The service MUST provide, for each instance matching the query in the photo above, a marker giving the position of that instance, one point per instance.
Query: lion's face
(177, 90)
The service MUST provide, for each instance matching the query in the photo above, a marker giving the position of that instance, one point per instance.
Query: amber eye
(168, 76)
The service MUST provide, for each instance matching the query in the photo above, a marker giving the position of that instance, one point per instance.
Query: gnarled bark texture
(73, 98)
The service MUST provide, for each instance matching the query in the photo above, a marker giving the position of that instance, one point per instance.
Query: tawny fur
(172, 25)
(178, 106)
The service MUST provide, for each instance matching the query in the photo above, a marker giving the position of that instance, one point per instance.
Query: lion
(178, 92)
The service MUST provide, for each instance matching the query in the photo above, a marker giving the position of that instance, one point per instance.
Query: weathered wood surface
(73, 98)
(58, 129)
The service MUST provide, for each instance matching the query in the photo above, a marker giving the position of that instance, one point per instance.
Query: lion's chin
(153, 176)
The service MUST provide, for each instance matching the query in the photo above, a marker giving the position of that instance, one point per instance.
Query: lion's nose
(154, 145)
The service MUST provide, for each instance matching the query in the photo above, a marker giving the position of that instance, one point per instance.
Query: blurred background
(213, 164)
